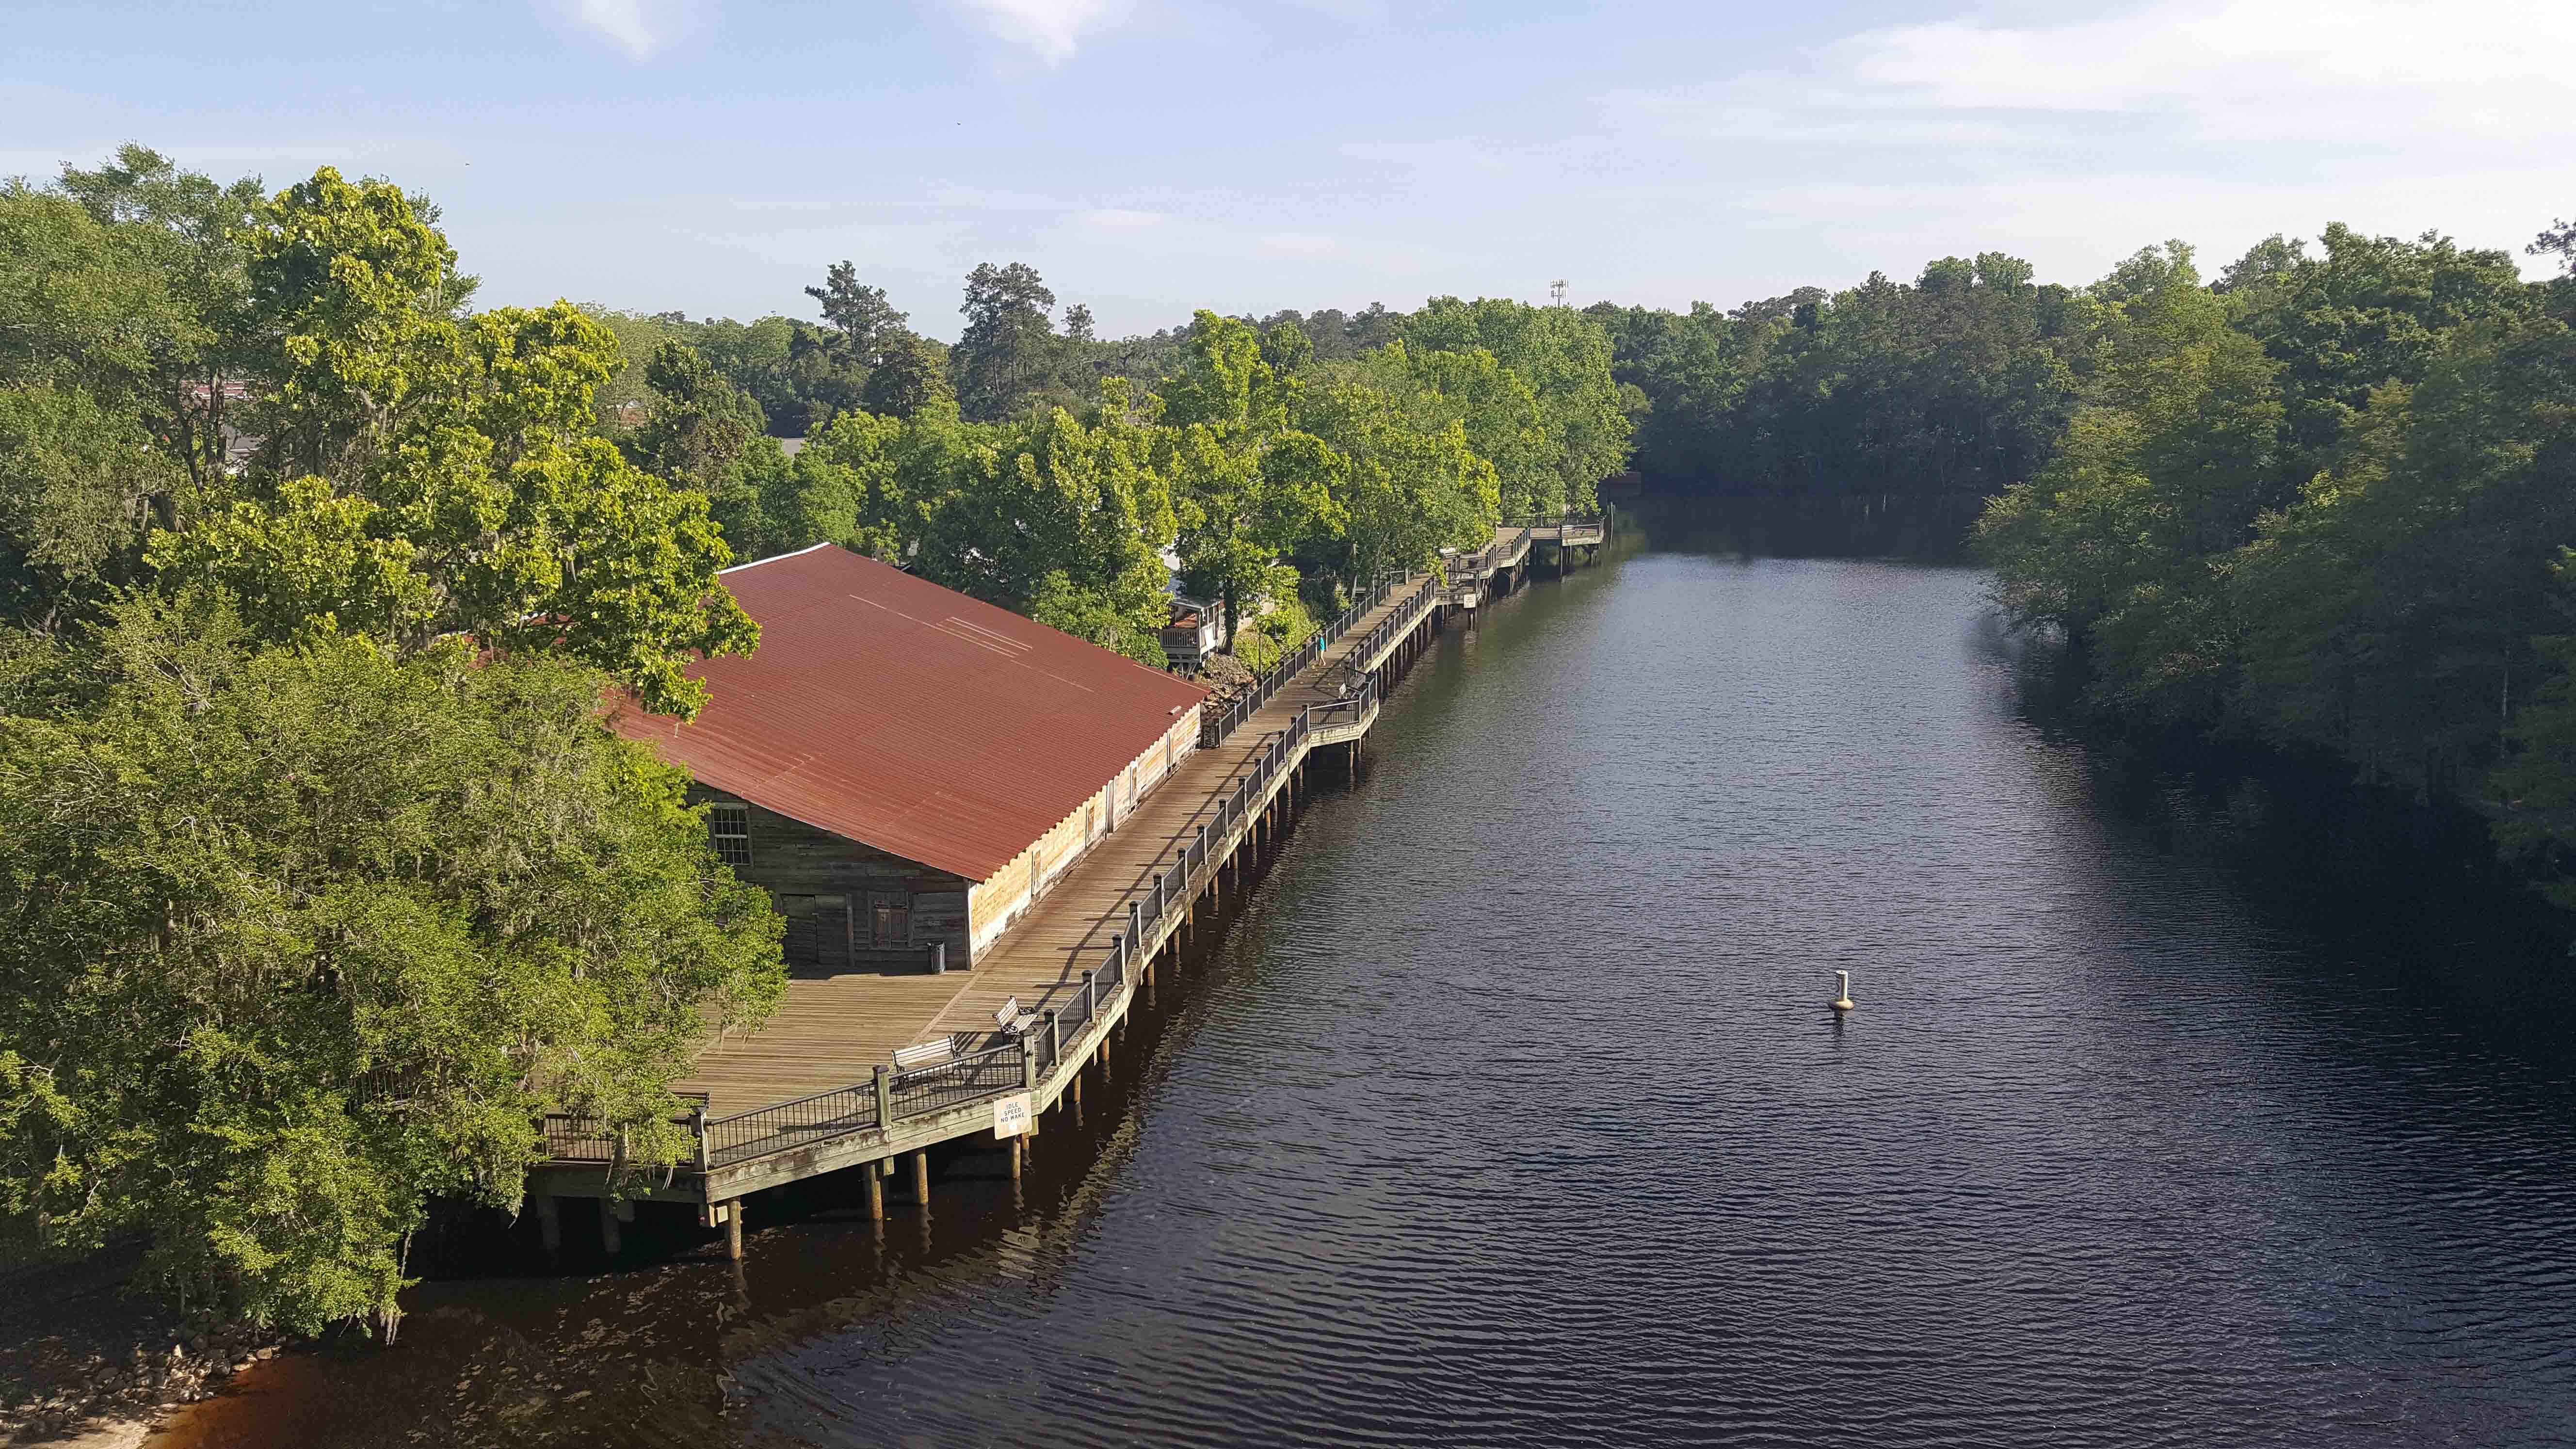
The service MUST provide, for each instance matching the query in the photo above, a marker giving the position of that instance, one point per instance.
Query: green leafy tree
(2120, 538)
(1564, 357)
(912, 374)
(2391, 614)
(866, 324)
(90, 332)
(2371, 310)
(1405, 492)
(428, 475)
(705, 433)
(1009, 356)
(303, 937)
(1249, 487)
(187, 229)
(1064, 520)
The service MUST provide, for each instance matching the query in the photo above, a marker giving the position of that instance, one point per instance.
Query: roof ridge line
(775, 557)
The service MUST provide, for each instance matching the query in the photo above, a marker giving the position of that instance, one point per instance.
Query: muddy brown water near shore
(1510, 1113)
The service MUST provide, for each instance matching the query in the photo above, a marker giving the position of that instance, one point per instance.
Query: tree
(427, 475)
(1249, 487)
(1009, 355)
(1405, 491)
(303, 937)
(1564, 358)
(90, 331)
(2372, 310)
(911, 375)
(188, 229)
(1065, 520)
(2163, 473)
(1502, 420)
(2391, 613)
(866, 322)
(704, 433)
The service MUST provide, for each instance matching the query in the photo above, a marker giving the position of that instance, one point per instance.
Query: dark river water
(1511, 1111)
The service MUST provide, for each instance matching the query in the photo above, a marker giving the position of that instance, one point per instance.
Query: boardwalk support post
(921, 1178)
(733, 1230)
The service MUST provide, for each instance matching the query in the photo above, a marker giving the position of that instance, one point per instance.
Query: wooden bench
(924, 1054)
(1016, 1019)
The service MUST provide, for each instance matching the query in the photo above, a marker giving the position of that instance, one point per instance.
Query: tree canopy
(2326, 503)
(325, 879)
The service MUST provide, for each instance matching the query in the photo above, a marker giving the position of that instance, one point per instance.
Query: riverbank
(2321, 828)
(86, 1361)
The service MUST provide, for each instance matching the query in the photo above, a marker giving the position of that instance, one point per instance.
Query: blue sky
(1154, 156)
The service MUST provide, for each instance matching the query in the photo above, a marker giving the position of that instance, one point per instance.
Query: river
(1511, 1112)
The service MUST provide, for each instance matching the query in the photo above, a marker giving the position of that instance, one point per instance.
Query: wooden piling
(874, 1172)
(921, 1178)
(733, 1230)
(608, 1234)
(550, 1222)
(1015, 1159)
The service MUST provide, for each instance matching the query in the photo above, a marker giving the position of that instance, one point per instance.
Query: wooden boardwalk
(811, 1092)
(831, 1033)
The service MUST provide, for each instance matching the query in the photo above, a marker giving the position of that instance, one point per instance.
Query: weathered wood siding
(831, 891)
(995, 903)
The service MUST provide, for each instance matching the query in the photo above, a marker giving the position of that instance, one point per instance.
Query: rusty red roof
(912, 718)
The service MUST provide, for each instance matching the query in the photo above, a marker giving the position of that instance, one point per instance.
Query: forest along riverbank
(1510, 1111)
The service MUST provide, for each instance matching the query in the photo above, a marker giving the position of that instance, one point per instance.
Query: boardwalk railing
(1503, 552)
(1394, 626)
(1214, 728)
(1000, 1063)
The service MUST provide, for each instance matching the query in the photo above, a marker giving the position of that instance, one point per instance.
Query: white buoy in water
(1842, 991)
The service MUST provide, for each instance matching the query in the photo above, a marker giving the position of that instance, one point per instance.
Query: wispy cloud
(1047, 34)
(1051, 32)
(2338, 73)
(636, 29)
(2256, 69)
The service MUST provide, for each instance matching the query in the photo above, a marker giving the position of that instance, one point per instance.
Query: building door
(832, 934)
(890, 922)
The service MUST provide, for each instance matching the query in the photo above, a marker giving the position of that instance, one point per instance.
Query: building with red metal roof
(907, 768)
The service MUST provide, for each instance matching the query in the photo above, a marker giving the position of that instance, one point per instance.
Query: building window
(730, 827)
(890, 924)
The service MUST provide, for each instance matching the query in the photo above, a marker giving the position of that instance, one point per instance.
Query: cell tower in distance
(1556, 292)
